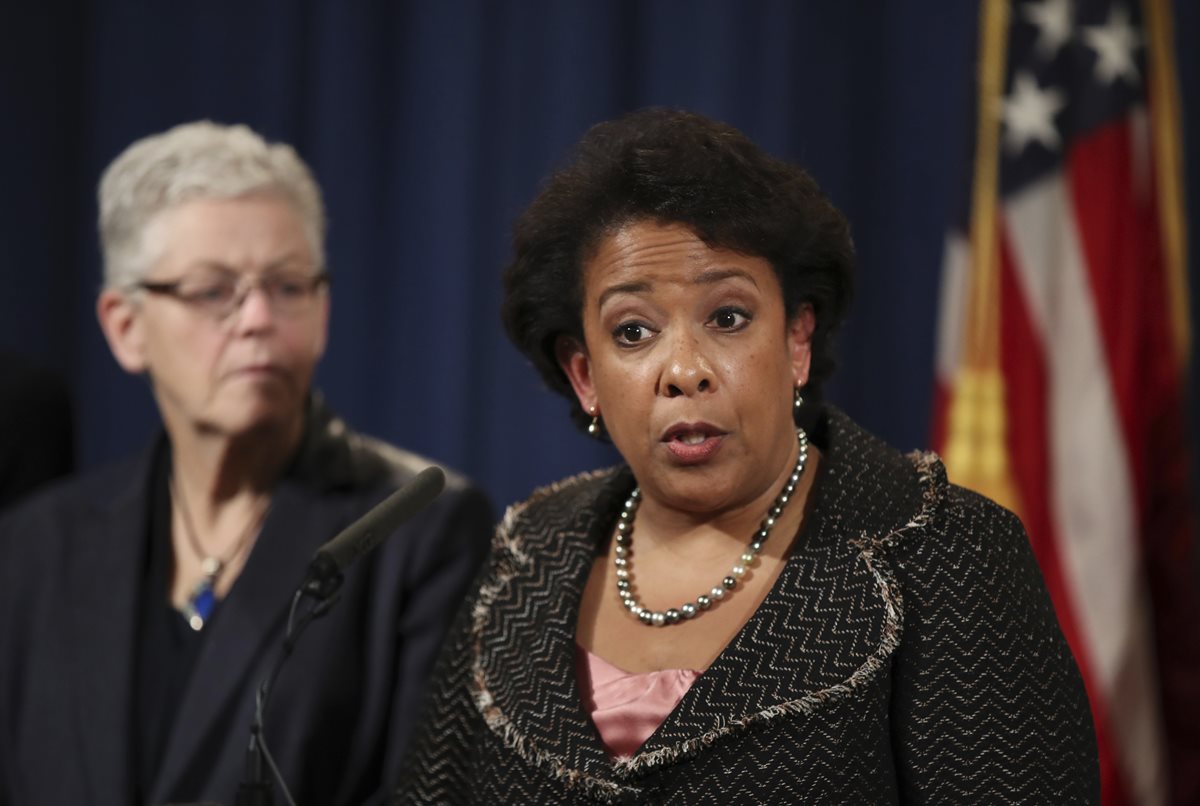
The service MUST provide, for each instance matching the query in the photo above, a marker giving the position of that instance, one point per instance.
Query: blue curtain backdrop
(430, 125)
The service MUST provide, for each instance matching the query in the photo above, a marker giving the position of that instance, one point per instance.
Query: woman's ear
(321, 333)
(799, 337)
(121, 322)
(573, 359)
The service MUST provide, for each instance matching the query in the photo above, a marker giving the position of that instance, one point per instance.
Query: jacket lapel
(246, 635)
(526, 659)
(106, 573)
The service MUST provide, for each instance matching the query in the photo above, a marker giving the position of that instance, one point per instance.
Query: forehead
(644, 255)
(247, 232)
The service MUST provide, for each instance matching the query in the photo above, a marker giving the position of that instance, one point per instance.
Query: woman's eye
(631, 333)
(211, 292)
(730, 319)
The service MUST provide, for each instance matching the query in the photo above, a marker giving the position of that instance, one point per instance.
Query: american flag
(1062, 347)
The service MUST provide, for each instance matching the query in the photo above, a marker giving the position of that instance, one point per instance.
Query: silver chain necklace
(203, 598)
(689, 610)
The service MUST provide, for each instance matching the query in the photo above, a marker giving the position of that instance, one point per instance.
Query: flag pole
(1168, 165)
(976, 450)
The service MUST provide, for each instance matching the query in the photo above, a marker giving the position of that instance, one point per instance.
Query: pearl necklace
(689, 610)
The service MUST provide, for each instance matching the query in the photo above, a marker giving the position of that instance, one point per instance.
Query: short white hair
(200, 160)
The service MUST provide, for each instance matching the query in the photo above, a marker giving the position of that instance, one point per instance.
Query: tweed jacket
(908, 652)
(72, 567)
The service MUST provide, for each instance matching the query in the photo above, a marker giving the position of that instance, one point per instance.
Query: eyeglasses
(219, 294)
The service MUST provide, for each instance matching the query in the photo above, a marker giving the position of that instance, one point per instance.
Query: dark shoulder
(81, 496)
(40, 534)
(580, 504)
(334, 456)
(374, 461)
(906, 501)
(957, 528)
(967, 507)
(981, 526)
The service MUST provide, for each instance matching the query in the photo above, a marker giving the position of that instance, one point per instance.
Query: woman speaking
(765, 603)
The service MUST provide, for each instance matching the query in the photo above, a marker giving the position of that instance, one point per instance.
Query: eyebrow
(623, 288)
(709, 277)
(287, 261)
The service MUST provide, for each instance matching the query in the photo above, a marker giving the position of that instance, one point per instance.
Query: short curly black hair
(672, 166)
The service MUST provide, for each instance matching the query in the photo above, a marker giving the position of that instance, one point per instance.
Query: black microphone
(373, 528)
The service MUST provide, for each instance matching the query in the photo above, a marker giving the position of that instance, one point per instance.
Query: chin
(258, 419)
(690, 491)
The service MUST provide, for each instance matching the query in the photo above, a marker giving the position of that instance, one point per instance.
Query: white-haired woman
(140, 605)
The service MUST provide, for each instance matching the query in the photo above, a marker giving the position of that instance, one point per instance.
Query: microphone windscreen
(373, 528)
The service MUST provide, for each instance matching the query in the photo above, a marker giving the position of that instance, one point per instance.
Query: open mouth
(692, 443)
(691, 433)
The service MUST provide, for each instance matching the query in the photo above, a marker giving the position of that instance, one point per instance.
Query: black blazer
(907, 653)
(71, 569)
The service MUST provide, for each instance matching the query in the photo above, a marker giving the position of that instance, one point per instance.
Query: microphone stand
(256, 788)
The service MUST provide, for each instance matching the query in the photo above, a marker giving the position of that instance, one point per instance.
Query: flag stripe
(1112, 208)
(956, 258)
(1092, 500)
(1024, 365)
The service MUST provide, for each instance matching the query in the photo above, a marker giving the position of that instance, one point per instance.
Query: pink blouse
(625, 707)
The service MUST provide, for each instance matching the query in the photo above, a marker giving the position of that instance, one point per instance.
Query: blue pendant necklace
(203, 598)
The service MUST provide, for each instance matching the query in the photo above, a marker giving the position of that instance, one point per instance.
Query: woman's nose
(253, 311)
(687, 370)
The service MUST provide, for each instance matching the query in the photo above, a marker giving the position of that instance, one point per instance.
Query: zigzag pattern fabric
(908, 652)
